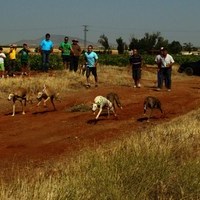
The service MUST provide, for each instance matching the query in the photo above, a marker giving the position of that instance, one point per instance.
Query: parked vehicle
(190, 68)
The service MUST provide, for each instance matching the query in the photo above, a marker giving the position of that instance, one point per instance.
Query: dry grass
(160, 163)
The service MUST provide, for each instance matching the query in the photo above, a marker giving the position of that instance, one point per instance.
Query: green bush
(104, 59)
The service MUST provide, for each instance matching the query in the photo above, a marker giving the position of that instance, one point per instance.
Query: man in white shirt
(164, 62)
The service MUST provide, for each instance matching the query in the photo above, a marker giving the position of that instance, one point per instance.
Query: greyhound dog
(152, 103)
(46, 95)
(20, 95)
(102, 102)
(114, 99)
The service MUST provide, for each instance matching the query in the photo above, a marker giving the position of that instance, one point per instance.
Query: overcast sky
(31, 19)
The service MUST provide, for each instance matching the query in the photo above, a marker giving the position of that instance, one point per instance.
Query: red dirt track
(42, 133)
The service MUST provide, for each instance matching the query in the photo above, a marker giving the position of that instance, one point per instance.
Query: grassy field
(162, 162)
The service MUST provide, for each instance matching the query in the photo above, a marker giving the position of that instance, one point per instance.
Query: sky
(176, 20)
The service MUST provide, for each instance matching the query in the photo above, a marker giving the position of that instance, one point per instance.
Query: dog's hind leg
(53, 103)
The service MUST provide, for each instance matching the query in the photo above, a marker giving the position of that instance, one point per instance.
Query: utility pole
(85, 35)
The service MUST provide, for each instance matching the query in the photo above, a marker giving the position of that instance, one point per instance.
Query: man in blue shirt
(91, 64)
(46, 47)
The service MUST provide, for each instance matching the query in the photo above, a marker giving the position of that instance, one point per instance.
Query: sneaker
(139, 85)
(87, 85)
(158, 89)
(169, 90)
(134, 86)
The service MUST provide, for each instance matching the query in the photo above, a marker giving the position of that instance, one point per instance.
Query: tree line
(147, 44)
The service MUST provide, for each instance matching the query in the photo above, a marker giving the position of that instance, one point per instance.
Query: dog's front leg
(100, 110)
(13, 109)
(108, 112)
(23, 106)
(47, 99)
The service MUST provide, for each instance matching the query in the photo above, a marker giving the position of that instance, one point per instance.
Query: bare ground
(44, 134)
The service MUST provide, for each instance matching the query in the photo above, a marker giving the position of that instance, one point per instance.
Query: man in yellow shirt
(12, 60)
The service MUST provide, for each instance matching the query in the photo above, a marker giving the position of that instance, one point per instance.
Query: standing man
(24, 57)
(91, 65)
(136, 63)
(75, 55)
(46, 48)
(66, 50)
(12, 60)
(164, 62)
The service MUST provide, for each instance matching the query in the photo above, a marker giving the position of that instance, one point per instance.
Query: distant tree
(134, 43)
(187, 46)
(148, 42)
(175, 47)
(120, 45)
(103, 40)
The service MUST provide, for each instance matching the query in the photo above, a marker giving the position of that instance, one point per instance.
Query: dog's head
(10, 96)
(39, 95)
(94, 107)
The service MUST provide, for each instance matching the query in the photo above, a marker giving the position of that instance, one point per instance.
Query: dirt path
(43, 134)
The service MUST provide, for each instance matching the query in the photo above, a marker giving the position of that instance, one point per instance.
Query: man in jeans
(46, 48)
(164, 62)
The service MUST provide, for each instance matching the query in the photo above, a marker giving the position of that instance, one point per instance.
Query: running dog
(102, 102)
(114, 99)
(20, 94)
(151, 103)
(46, 95)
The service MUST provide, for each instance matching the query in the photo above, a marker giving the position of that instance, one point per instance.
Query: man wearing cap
(164, 62)
(75, 54)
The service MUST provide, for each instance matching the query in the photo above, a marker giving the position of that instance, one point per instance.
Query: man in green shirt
(24, 57)
(66, 49)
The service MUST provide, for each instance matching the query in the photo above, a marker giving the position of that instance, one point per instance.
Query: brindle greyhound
(151, 103)
(114, 99)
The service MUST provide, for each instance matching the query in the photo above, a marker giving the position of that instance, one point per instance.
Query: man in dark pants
(164, 62)
(46, 48)
(75, 54)
(136, 63)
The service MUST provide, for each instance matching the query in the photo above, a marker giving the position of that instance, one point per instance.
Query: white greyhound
(101, 102)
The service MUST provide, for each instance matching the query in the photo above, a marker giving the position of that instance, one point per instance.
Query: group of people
(12, 60)
(70, 56)
(70, 53)
(164, 63)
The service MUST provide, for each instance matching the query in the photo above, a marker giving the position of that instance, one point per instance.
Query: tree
(120, 46)
(148, 42)
(175, 47)
(104, 42)
(188, 47)
(134, 43)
